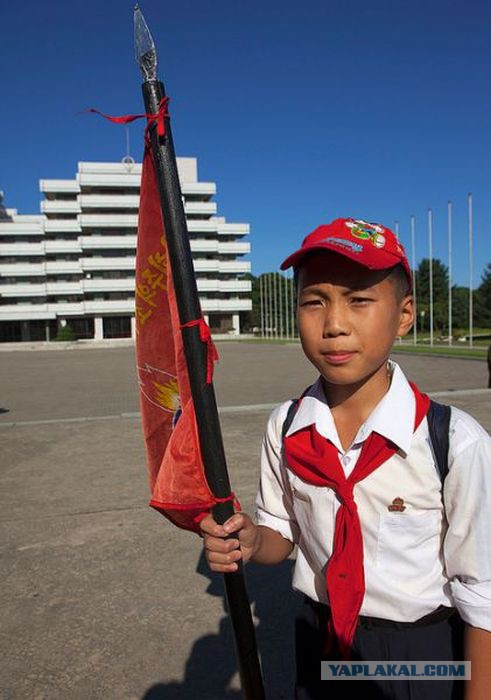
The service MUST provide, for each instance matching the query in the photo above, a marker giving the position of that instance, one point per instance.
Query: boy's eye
(310, 302)
(360, 300)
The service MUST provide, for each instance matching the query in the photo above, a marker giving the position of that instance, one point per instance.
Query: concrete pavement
(101, 597)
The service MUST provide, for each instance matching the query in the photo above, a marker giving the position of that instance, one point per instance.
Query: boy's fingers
(236, 522)
(223, 568)
(216, 544)
(209, 526)
(223, 559)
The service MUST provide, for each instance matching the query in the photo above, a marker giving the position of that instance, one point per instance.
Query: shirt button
(346, 460)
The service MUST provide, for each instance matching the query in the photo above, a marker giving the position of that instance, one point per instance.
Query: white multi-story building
(75, 263)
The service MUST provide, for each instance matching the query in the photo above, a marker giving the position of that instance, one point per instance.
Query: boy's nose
(335, 323)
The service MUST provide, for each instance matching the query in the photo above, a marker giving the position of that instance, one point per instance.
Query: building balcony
(224, 305)
(108, 201)
(233, 248)
(101, 263)
(201, 189)
(132, 201)
(63, 287)
(26, 312)
(59, 206)
(20, 269)
(19, 312)
(224, 266)
(225, 248)
(20, 249)
(23, 290)
(113, 180)
(22, 228)
(112, 306)
(204, 246)
(108, 220)
(126, 284)
(59, 186)
(234, 266)
(202, 226)
(61, 246)
(39, 289)
(217, 285)
(225, 229)
(200, 208)
(63, 267)
(108, 242)
(62, 225)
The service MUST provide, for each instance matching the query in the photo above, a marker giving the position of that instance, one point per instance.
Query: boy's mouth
(338, 357)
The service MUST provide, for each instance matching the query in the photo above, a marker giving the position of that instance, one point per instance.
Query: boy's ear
(407, 315)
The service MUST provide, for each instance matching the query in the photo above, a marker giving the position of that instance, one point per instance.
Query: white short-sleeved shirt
(415, 559)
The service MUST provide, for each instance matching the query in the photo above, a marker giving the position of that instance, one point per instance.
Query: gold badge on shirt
(397, 505)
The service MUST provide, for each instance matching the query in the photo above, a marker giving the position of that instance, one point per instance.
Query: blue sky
(300, 112)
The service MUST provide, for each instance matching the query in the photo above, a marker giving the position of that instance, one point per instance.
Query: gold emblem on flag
(167, 395)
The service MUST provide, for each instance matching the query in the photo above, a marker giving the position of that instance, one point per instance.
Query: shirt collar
(393, 417)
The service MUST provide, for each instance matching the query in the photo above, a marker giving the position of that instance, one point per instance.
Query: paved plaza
(101, 597)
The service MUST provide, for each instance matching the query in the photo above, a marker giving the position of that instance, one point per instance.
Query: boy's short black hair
(397, 276)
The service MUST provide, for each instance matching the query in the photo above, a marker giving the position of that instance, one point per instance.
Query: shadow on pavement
(212, 665)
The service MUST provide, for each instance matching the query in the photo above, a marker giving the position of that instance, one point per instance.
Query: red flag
(175, 468)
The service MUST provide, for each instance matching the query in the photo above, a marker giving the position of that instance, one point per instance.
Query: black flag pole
(189, 308)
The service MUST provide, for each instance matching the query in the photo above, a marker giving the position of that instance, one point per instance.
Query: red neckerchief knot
(205, 337)
(315, 460)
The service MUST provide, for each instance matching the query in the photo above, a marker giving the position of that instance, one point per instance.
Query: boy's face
(348, 317)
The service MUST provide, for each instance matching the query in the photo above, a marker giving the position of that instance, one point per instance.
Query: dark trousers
(377, 640)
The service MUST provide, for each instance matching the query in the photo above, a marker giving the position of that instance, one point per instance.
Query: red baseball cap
(371, 245)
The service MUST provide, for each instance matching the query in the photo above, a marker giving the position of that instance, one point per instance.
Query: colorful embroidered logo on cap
(342, 243)
(367, 232)
(397, 505)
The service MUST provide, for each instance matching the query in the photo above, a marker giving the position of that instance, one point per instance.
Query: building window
(117, 326)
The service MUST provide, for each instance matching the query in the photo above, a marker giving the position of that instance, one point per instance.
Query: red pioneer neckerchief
(315, 460)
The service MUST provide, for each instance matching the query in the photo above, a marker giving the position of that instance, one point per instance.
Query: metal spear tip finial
(145, 53)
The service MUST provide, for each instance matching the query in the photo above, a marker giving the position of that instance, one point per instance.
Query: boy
(392, 566)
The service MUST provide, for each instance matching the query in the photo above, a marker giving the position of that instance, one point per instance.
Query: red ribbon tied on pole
(159, 117)
(205, 337)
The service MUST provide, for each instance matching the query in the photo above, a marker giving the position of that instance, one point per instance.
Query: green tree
(440, 292)
(277, 308)
(460, 308)
(251, 319)
(65, 333)
(482, 300)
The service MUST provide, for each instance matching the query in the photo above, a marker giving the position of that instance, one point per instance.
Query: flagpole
(471, 271)
(275, 297)
(195, 350)
(261, 302)
(450, 330)
(397, 229)
(292, 304)
(430, 249)
(285, 294)
(413, 259)
(280, 294)
(270, 306)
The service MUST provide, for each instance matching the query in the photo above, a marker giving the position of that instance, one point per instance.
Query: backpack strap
(291, 412)
(439, 426)
(289, 418)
